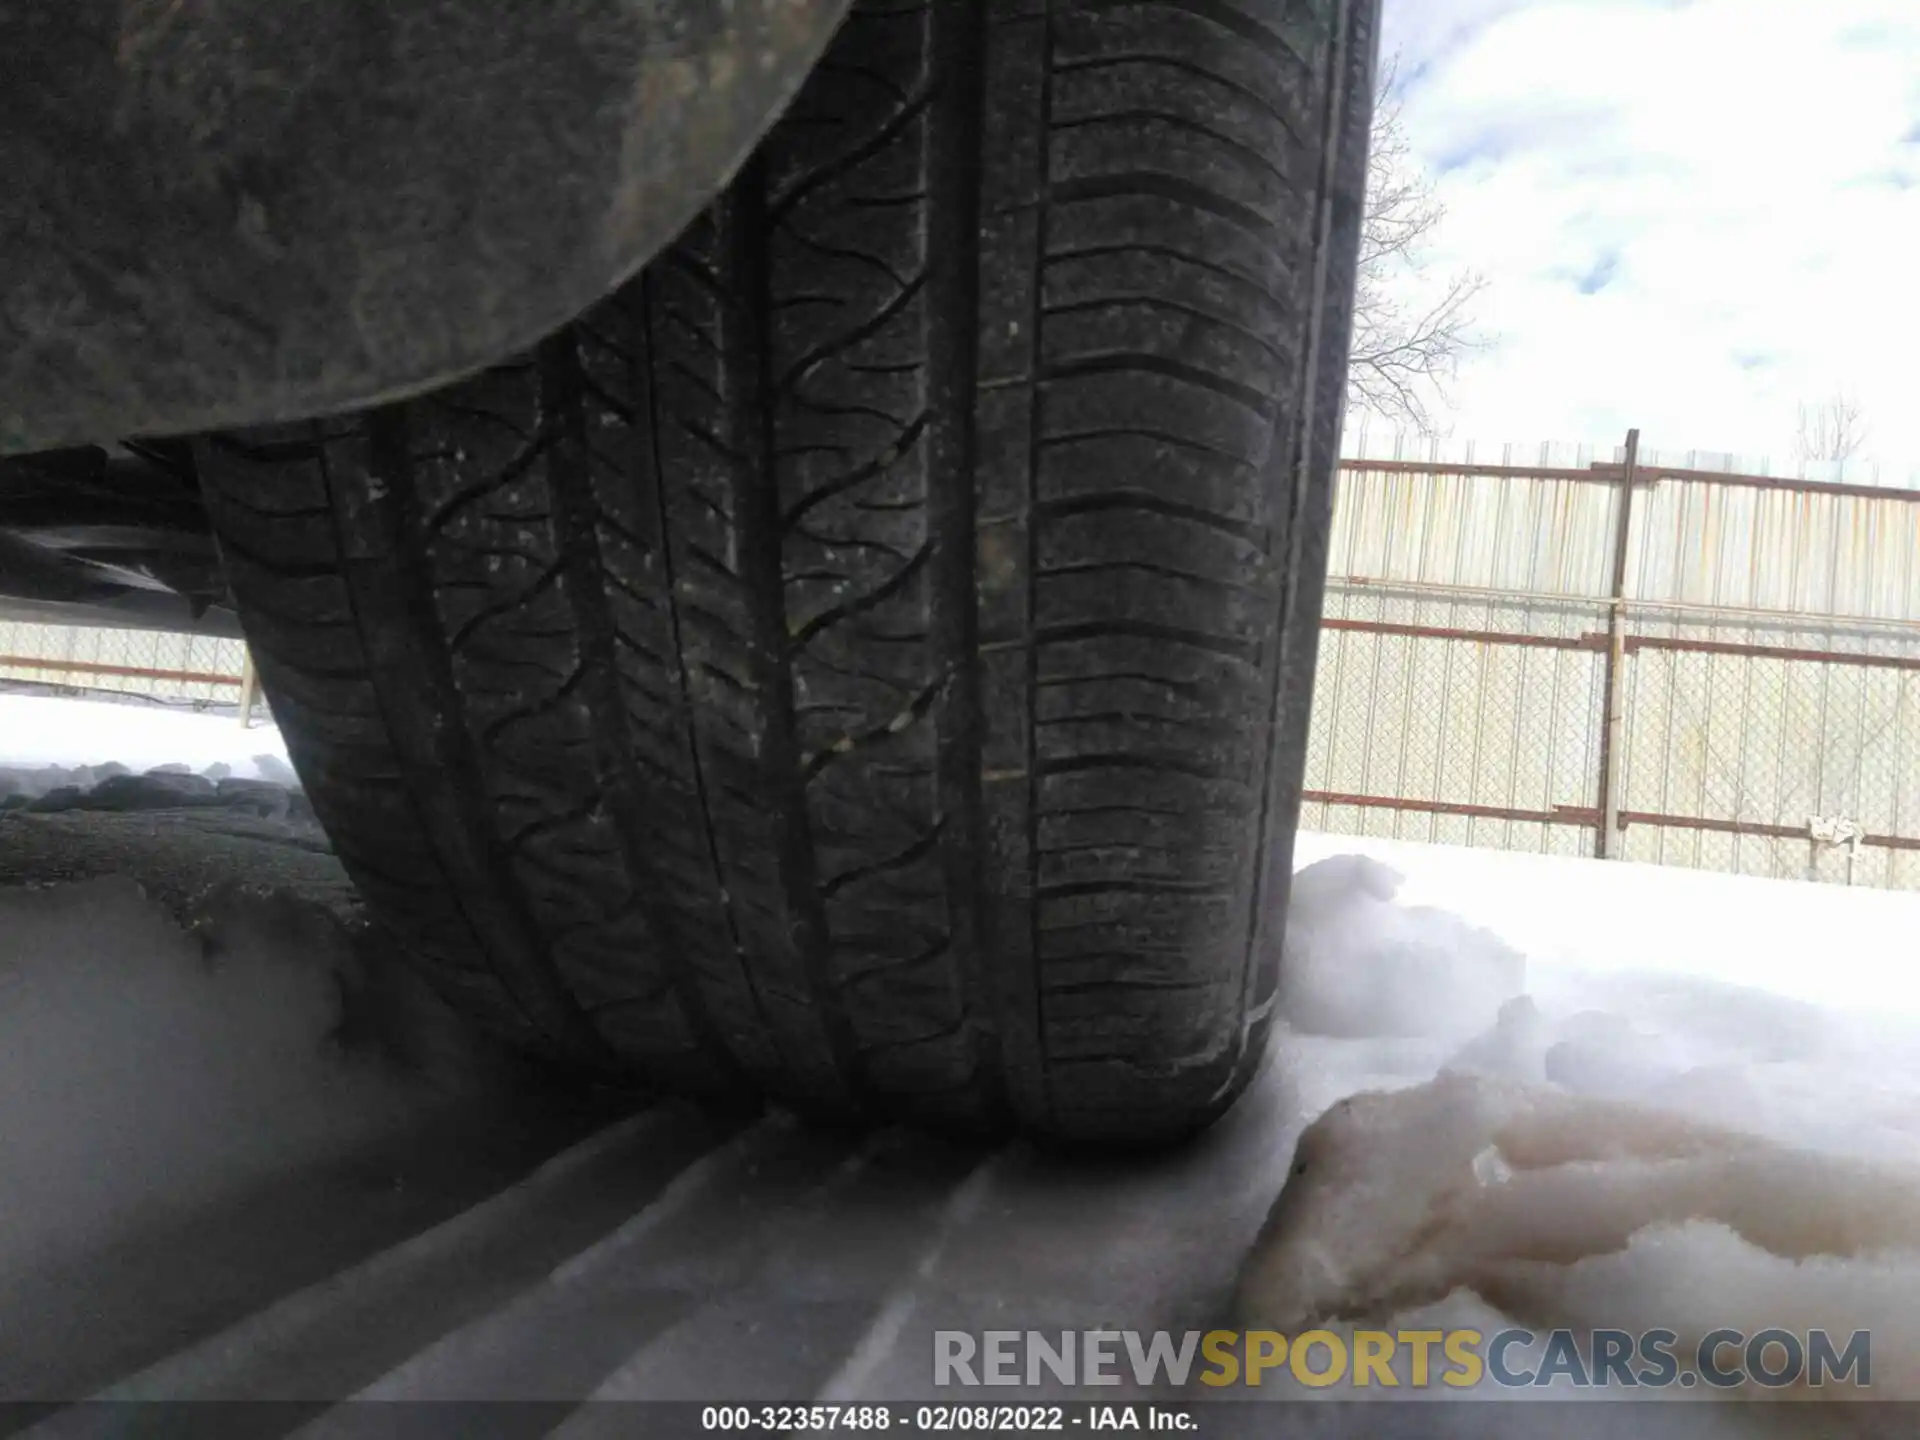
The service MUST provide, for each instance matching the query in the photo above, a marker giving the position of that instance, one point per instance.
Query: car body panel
(221, 212)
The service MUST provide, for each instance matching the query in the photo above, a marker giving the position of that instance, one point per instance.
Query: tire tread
(850, 663)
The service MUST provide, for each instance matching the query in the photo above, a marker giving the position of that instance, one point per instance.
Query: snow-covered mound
(109, 787)
(50, 743)
(1358, 964)
(1621, 1145)
(146, 1068)
(1565, 1209)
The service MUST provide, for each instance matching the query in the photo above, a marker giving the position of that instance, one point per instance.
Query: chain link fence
(1754, 641)
(1791, 766)
(203, 670)
(1490, 710)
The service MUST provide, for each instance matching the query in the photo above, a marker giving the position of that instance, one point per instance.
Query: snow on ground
(1834, 946)
(45, 738)
(145, 1069)
(1596, 1095)
(1587, 1094)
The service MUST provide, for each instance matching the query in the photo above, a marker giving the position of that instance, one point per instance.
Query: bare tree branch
(1832, 430)
(1408, 336)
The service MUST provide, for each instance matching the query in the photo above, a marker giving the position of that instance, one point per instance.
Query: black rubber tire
(867, 660)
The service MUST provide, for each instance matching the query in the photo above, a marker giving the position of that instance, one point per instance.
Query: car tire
(866, 660)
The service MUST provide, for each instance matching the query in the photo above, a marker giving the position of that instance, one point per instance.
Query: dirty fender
(224, 212)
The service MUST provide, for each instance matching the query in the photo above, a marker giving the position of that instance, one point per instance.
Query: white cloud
(1736, 182)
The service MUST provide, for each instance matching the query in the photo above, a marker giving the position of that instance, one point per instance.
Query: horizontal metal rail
(1594, 640)
(1609, 472)
(131, 672)
(1755, 828)
(1587, 817)
(1492, 472)
(1485, 637)
(1791, 619)
(1773, 652)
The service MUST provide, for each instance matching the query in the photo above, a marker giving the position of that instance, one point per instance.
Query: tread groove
(1154, 185)
(702, 784)
(435, 758)
(576, 513)
(1048, 192)
(957, 57)
(748, 342)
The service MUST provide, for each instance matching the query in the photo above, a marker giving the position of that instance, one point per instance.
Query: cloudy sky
(1693, 213)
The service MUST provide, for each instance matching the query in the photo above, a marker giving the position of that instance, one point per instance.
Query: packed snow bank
(1828, 944)
(1359, 964)
(1562, 1209)
(47, 742)
(145, 1069)
(1632, 1140)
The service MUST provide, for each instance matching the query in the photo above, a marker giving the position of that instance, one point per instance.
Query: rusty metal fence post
(1613, 734)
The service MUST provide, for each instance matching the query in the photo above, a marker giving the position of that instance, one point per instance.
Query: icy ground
(1600, 1096)
(1593, 1095)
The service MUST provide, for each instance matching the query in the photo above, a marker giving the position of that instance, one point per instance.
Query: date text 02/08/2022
(945, 1418)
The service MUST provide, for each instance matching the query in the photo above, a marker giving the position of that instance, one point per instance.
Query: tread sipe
(866, 660)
